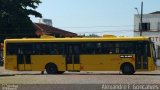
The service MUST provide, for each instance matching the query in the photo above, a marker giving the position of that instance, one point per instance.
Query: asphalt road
(29, 80)
(112, 77)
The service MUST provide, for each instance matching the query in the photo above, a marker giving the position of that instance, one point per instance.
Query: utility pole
(141, 19)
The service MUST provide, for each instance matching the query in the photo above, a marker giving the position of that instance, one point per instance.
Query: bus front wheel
(127, 69)
(51, 68)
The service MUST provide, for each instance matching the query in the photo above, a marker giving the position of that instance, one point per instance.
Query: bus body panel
(87, 63)
(151, 64)
(11, 62)
(27, 67)
(103, 62)
(73, 67)
(21, 67)
(39, 61)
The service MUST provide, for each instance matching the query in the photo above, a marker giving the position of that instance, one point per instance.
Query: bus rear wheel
(51, 68)
(127, 69)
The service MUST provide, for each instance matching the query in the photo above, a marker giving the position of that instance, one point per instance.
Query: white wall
(154, 19)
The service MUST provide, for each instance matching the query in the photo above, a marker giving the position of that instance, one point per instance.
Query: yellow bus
(57, 55)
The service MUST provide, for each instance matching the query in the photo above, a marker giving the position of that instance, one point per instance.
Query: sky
(99, 17)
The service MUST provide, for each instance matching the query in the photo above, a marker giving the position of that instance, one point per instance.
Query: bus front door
(23, 61)
(72, 58)
(142, 56)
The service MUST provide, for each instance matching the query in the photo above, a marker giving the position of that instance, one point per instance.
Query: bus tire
(60, 72)
(51, 68)
(127, 69)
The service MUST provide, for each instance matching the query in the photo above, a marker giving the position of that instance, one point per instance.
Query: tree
(93, 35)
(90, 35)
(15, 20)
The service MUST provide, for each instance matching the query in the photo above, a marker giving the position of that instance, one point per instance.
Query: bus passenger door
(23, 61)
(72, 58)
(142, 56)
(20, 62)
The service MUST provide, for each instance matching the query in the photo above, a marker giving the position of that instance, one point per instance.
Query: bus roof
(78, 39)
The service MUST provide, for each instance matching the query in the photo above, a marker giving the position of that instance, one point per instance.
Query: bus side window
(28, 48)
(55, 49)
(126, 48)
(88, 48)
(83, 48)
(34, 49)
(61, 48)
(19, 51)
(98, 48)
(11, 49)
(37, 49)
(109, 47)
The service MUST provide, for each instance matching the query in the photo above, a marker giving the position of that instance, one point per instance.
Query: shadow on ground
(6, 75)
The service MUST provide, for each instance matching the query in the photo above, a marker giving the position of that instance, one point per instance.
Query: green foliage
(14, 17)
(90, 35)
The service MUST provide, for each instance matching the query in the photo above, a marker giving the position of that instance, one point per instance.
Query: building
(44, 29)
(150, 28)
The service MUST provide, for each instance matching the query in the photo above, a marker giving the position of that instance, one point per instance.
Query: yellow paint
(21, 67)
(76, 39)
(73, 67)
(151, 64)
(11, 62)
(47, 36)
(4, 53)
(27, 67)
(109, 36)
(38, 62)
(110, 62)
